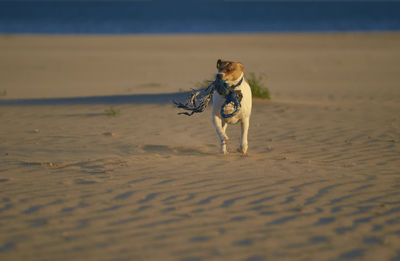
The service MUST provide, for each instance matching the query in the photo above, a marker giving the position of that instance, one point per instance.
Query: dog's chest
(243, 91)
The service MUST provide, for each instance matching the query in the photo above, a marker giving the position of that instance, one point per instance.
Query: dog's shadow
(204, 150)
(201, 150)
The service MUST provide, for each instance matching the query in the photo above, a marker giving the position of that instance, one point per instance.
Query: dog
(233, 74)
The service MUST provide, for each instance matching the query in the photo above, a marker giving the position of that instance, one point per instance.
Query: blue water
(191, 16)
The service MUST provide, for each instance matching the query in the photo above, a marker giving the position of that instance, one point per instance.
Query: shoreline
(260, 33)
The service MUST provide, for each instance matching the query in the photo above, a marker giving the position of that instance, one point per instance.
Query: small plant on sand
(257, 87)
(255, 82)
(112, 112)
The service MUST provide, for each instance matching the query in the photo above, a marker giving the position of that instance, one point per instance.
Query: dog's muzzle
(220, 75)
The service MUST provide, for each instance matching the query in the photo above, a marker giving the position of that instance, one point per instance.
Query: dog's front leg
(220, 127)
(243, 140)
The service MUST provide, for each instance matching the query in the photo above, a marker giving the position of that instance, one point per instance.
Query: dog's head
(229, 71)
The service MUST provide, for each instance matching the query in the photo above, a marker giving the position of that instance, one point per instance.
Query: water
(138, 17)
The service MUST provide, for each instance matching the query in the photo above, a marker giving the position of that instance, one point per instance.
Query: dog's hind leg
(220, 127)
(243, 139)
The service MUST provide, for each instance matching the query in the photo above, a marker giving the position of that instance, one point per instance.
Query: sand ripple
(321, 182)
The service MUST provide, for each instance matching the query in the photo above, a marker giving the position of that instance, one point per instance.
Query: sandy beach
(95, 163)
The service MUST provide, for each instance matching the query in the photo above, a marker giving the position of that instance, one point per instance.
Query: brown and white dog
(233, 74)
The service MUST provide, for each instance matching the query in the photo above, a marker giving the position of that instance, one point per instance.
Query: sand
(91, 168)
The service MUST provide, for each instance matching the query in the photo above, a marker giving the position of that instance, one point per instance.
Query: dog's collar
(237, 84)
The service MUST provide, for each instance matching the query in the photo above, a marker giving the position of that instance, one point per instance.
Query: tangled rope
(199, 99)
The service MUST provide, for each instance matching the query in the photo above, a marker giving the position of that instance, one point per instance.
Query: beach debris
(199, 99)
(109, 134)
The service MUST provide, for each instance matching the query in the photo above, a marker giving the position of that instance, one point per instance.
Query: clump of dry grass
(112, 112)
(257, 87)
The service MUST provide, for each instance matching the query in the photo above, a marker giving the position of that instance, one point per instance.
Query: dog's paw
(242, 150)
(244, 154)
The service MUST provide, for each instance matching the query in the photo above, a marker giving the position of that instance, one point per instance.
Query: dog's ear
(241, 66)
(219, 63)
